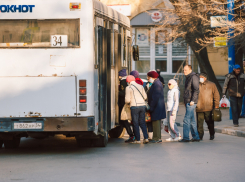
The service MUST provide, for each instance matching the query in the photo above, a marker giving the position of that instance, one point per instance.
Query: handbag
(126, 113)
(147, 117)
(216, 115)
(146, 103)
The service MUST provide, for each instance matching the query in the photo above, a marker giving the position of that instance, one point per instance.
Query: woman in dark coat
(157, 105)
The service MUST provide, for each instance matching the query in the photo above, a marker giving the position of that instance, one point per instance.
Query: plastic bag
(126, 113)
(224, 102)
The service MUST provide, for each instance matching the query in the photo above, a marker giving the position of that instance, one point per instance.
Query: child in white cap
(172, 109)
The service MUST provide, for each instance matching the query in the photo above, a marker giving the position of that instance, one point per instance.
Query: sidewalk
(225, 126)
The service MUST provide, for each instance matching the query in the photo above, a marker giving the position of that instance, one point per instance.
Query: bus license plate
(27, 125)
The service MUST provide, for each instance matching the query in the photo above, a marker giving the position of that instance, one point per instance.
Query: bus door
(104, 79)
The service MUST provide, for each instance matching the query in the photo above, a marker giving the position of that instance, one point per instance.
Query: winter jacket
(156, 101)
(133, 96)
(234, 84)
(122, 88)
(173, 99)
(191, 88)
(208, 97)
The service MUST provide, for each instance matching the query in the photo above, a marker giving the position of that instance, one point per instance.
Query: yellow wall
(137, 6)
(218, 58)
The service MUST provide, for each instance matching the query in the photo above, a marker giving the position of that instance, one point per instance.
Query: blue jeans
(189, 123)
(138, 119)
(243, 106)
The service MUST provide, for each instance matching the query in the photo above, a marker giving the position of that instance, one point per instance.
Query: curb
(224, 131)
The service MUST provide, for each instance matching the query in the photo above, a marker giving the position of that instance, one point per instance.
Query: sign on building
(125, 9)
(156, 16)
(218, 21)
(220, 41)
(142, 37)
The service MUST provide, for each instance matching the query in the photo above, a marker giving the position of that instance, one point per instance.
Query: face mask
(201, 80)
(151, 80)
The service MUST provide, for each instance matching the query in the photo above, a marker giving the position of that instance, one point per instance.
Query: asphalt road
(58, 159)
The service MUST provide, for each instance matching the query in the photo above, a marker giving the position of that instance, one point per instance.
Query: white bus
(59, 70)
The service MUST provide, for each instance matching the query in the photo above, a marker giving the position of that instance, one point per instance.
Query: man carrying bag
(208, 100)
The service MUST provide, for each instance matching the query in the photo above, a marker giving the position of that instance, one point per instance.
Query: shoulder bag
(146, 103)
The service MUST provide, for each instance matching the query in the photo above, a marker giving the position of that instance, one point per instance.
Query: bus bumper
(47, 124)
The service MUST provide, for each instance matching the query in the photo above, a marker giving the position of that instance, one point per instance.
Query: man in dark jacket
(234, 83)
(208, 99)
(122, 74)
(190, 99)
(157, 105)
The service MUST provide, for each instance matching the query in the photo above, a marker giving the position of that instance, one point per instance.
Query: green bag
(216, 115)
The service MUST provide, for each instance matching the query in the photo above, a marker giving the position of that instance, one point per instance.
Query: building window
(143, 65)
(179, 54)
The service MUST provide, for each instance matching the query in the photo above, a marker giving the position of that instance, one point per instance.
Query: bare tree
(190, 19)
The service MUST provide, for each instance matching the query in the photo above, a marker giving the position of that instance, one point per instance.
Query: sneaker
(211, 137)
(176, 139)
(145, 141)
(183, 140)
(136, 142)
(153, 141)
(195, 140)
(159, 141)
(170, 140)
(236, 125)
(131, 139)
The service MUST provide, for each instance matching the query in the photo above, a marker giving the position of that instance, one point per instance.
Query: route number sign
(59, 40)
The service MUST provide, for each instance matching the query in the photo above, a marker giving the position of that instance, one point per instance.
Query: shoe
(211, 137)
(195, 140)
(236, 125)
(145, 141)
(170, 140)
(183, 140)
(155, 141)
(136, 142)
(131, 139)
(176, 139)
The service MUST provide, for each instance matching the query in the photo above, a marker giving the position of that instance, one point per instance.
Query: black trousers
(236, 108)
(149, 126)
(125, 123)
(207, 116)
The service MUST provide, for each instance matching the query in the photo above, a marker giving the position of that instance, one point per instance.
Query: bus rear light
(82, 91)
(82, 83)
(75, 7)
(82, 99)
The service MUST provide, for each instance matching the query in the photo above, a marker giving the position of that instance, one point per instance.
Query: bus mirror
(136, 52)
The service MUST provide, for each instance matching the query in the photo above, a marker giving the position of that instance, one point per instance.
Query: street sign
(218, 21)
(220, 41)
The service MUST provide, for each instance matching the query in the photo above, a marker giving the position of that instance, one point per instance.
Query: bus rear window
(40, 33)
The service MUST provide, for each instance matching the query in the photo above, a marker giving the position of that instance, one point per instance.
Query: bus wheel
(117, 132)
(10, 144)
(102, 141)
(1, 144)
(83, 142)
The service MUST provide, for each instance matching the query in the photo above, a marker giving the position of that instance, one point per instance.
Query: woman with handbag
(157, 105)
(135, 97)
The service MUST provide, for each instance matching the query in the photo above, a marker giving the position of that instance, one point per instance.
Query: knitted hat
(152, 74)
(130, 78)
(122, 73)
(135, 73)
(139, 81)
(173, 82)
(204, 74)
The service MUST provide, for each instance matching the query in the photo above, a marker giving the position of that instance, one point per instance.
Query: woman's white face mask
(151, 80)
(201, 80)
